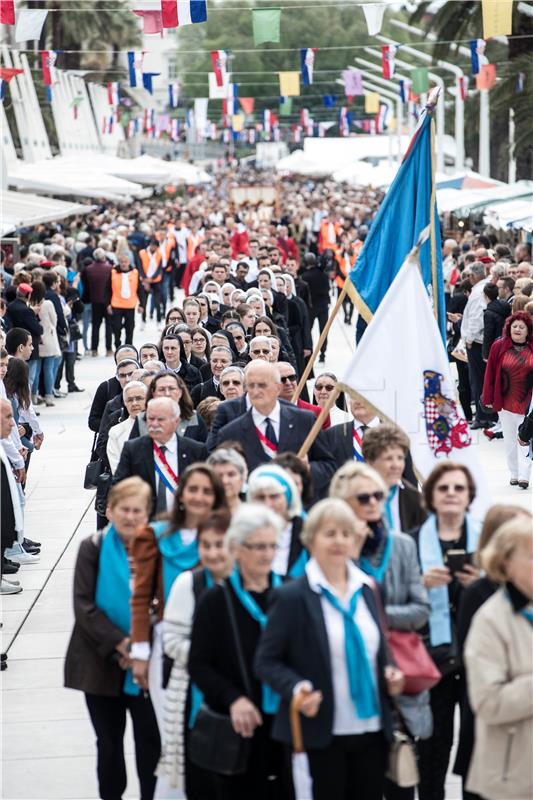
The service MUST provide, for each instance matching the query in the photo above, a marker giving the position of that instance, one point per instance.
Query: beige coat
(499, 663)
(49, 344)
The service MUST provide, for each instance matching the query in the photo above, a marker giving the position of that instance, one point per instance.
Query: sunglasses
(231, 383)
(448, 487)
(366, 497)
(260, 547)
(288, 378)
(325, 387)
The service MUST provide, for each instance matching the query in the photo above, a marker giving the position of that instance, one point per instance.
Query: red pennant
(169, 13)
(247, 104)
(7, 12)
(486, 77)
(152, 21)
(6, 73)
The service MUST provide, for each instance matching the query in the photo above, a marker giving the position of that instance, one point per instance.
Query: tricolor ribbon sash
(268, 446)
(357, 445)
(164, 470)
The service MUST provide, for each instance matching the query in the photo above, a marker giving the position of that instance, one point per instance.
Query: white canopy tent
(18, 210)
(516, 214)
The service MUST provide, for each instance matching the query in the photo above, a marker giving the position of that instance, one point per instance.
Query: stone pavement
(48, 747)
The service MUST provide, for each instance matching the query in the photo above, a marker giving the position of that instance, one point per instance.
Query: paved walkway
(48, 747)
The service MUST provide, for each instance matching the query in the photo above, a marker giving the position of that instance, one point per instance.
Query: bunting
(135, 68)
(353, 82)
(7, 12)
(147, 80)
(388, 63)
(307, 63)
(247, 104)
(420, 80)
(219, 59)
(404, 90)
(113, 93)
(266, 23)
(176, 13)
(497, 18)
(173, 94)
(373, 16)
(6, 75)
(462, 86)
(152, 21)
(289, 84)
(372, 103)
(30, 22)
(477, 51)
(48, 60)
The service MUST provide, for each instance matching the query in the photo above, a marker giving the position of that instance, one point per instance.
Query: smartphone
(457, 559)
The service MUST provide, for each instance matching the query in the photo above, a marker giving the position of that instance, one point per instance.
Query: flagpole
(319, 344)
(315, 430)
(432, 242)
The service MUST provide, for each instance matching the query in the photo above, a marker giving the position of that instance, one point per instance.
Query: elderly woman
(98, 656)
(231, 468)
(448, 492)
(180, 703)
(324, 642)
(385, 448)
(214, 665)
(507, 389)
(499, 661)
(134, 395)
(273, 486)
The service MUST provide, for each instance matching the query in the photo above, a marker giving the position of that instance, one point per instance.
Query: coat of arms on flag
(446, 428)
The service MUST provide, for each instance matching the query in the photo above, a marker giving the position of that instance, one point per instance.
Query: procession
(266, 413)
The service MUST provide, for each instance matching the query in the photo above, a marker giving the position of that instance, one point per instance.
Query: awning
(18, 210)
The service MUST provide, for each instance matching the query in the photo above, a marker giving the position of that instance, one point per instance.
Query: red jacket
(492, 385)
(239, 243)
(316, 411)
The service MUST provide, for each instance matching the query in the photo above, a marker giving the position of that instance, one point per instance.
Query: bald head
(263, 384)
(7, 422)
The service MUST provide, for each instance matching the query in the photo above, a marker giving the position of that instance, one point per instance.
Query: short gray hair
(176, 411)
(224, 349)
(261, 340)
(227, 370)
(477, 268)
(332, 509)
(226, 455)
(134, 385)
(99, 254)
(248, 519)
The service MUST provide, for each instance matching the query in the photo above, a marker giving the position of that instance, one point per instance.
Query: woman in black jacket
(324, 643)
(214, 664)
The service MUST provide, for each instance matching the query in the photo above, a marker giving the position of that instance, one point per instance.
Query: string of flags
(6, 75)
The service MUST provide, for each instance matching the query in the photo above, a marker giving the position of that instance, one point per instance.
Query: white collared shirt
(171, 455)
(274, 417)
(358, 425)
(345, 720)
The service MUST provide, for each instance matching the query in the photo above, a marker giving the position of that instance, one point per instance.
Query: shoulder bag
(213, 743)
(94, 468)
(402, 768)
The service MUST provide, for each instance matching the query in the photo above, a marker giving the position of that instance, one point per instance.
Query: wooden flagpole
(313, 433)
(316, 351)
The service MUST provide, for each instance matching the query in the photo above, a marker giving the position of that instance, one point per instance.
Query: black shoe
(9, 567)
(477, 426)
(28, 548)
(75, 388)
(30, 543)
(322, 358)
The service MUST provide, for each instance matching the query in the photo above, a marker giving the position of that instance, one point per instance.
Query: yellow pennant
(289, 84)
(372, 103)
(497, 18)
(237, 122)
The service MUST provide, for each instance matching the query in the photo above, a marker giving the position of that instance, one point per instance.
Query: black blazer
(91, 662)
(138, 459)
(294, 647)
(295, 424)
(226, 412)
(105, 392)
(206, 389)
(21, 316)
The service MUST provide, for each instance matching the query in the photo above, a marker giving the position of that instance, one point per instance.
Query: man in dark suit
(160, 457)
(20, 315)
(220, 358)
(270, 427)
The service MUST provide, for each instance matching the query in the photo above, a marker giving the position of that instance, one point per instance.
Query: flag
(48, 60)
(329, 100)
(3, 85)
(486, 77)
(285, 106)
(147, 80)
(477, 50)
(152, 20)
(267, 120)
(307, 63)
(374, 16)
(173, 94)
(353, 82)
(404, 90)
(251, 136)
(462, 86)
(304, 117)
(7, 12)
(135, 68)
(247, 104)
(388, 64)
(30, 23)
(237, 122)
(372, 103)
(520, 80)
(289, 84)
(75, 104)
(420, 80)
(113, 93)
(174, 130)
(497, 18)
(409, 206)
(266, 24)
(6, 75)
(382, 118)
(108, 124)
(176, 13)
(230, 105)
(344, 121)
(219, 59)
(401, 369)
(217, 92)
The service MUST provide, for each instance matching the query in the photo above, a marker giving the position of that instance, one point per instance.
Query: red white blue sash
(269, 447)
(357, 445)
(164, 470)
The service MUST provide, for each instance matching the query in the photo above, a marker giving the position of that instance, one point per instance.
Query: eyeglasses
(325, 387)
(288, 379)
(259, 547)
(444, 488)
(198, 340)
(125, 375)
(231, 383)
(136, 398)
(366, 497)
(261, 352)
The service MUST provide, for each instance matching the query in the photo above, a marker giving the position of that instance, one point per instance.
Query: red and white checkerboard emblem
(446, 428)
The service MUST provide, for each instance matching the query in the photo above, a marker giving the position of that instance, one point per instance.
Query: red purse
(412, 658)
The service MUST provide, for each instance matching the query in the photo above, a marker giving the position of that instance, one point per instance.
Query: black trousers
(476, 373)
(347, 306)
(99, 315)
(465, 395)
(179, 269)
(68, 362)
(123, 318)
(434, 753)
(108, 717)
(321, 314)
(352, 767)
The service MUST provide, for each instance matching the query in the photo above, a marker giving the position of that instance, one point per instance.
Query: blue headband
(281, 480)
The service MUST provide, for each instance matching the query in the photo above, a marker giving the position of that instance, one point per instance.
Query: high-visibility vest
(192, 243)
(168, 244)
(327, 237)
(148, 261)
(117, 284)
(345, 266)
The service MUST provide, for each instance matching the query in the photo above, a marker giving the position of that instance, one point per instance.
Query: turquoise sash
(378, 572)
(177, 557)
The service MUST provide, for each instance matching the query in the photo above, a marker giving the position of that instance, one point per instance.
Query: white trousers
(517, 461)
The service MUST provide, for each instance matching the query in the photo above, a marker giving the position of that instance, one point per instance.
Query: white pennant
(30, 23)
(374, 16)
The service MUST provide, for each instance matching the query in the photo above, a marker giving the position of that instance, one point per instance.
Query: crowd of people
(236, 591)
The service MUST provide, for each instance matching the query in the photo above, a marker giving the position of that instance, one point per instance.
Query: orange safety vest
(344, 268)
(192, 243)
(168, 244)
(145, 256)
(117, 301)
(327, 237)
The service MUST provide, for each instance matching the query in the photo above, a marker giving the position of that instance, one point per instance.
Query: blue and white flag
(477, 51)
(307, 62)
(404, 90)
(173, 94)
(147, 80)
(135, 68)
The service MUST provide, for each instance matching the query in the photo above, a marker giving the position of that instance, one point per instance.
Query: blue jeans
(34, 370)
(50, 365)
(86, 321)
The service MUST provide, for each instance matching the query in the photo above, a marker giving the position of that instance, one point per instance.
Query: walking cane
(296, 724)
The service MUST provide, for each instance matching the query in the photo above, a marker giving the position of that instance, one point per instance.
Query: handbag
(412, 658)
(402, 767)
(74, 331)
(213, 743)
(93, 470)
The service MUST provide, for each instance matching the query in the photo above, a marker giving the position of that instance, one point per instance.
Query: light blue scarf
(298, 568)
(270, 702)
(388, 505)
(113, 590)
(378, 572)
(177, 557)
(197, 696)
(360, 678)
(429, 549)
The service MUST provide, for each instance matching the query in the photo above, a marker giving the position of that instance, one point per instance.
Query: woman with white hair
(226, 630)
(134, 395)
(231, 468)
(274, 487)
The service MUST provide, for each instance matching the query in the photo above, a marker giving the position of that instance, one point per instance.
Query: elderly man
(270, 427)
(260, 348)
(289, 382)
(96, 279)
(219, 359)
(161, 456)
(232, 383)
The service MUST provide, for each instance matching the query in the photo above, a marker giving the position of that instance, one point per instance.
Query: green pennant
(266, 24)
(285, 106)
(420, 80)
